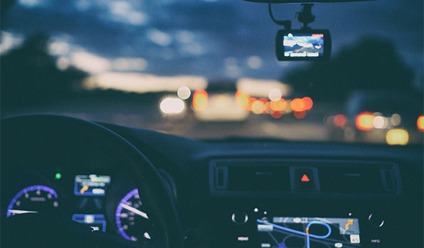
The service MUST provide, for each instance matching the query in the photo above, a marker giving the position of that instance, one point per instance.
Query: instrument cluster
(106, 202)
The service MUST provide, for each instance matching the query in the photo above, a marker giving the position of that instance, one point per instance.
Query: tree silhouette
(372, 64)
(29, 75)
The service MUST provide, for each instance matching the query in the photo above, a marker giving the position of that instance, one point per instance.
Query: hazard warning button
(305, 178)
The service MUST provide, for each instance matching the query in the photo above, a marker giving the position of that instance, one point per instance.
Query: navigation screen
(309, 232)
(91, 185)
(303, 45)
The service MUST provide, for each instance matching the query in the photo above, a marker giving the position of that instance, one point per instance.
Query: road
(148, 116)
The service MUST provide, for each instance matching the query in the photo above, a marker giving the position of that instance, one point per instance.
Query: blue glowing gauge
(33, 199)
(132, 221)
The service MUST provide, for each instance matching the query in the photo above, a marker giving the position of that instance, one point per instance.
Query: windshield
(207, 69)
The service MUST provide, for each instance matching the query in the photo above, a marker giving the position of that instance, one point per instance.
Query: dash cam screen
(303, 45)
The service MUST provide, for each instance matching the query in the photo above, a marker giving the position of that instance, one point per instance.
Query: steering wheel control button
(376, 220)
(304, 178)
(239, 218)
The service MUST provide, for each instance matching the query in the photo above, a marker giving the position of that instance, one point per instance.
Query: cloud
(159, 37)
(142, 83)
(195, 37)
(90, 63)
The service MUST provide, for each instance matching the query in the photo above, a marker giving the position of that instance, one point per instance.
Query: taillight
(365, 121)
(278, 106)
(297, 105)
(307, 102)
(242, 99)
(200, 100)
(420, 123)
(340, 120)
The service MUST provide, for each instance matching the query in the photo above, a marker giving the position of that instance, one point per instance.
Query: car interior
(73, 181)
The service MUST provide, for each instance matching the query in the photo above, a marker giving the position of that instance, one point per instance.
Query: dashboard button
(239, 218)
(376, 220)
(305, 178)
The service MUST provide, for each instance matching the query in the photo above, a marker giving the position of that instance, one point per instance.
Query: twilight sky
(210, 38)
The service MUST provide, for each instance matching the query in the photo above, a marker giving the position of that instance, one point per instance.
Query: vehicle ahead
(372, 116)
(221, 101)
(100, 149)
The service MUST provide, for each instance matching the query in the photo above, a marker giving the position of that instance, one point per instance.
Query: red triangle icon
(305, 178)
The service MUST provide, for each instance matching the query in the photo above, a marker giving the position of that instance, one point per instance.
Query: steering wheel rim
(17, 132)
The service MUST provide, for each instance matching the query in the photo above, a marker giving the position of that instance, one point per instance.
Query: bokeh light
(340, 120)
(365, 121)
(172, 105)
(308, 103)
(297, 105)
(279, 105)
(299, 114)
(397, 137)
(242, 99)
(184, 92)
(200, 100)
(420, 123)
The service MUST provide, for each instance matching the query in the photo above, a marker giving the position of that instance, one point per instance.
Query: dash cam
(303, 44)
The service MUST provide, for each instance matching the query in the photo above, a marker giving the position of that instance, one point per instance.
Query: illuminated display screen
(309, 232)
(91, 185)
(303, 45)
(97, 222)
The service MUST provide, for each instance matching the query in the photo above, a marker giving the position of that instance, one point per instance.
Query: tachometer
(33, 199)
(131, 219)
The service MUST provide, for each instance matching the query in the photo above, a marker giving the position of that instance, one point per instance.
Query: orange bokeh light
(200, 100)
(276, 114)
(279, 105)
(339, 120)
(266, 105)
(299, 115)
(242, 99)
(365, 121)
(297, 105)
(420, 123)
(251, 101)
(307, 101)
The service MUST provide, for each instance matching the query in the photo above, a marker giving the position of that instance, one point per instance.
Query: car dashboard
(229, 193)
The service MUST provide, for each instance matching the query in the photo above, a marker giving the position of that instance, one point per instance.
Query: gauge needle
(13, 211)
(134, 210)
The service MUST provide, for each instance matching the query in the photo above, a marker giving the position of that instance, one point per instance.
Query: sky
(209, 38)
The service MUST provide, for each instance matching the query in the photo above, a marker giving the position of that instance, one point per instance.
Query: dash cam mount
(306, 16)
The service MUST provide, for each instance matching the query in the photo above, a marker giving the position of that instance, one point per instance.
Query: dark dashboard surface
(230, 193)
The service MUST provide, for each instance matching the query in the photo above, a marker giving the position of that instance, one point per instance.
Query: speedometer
(33, 199)
(131, 219)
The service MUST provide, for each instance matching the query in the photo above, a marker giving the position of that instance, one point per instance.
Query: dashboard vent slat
(283, 177)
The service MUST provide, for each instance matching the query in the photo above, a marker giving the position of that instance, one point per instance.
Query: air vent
(251, 176)
(350, 180)
(295, 177)
(258, 178)
(221, 177)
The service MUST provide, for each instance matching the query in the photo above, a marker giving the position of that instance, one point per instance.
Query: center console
(300, 203)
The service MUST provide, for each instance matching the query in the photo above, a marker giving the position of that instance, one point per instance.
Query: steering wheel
(22, 134)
